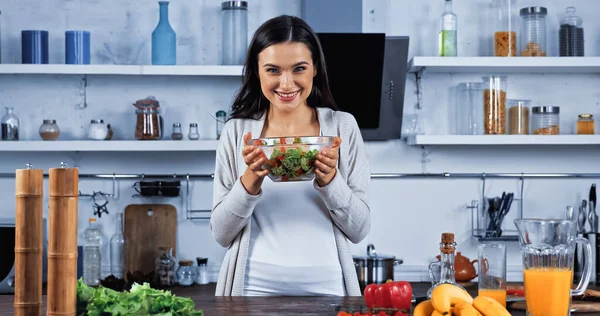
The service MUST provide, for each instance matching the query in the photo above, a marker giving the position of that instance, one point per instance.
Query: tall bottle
(447, 37)
(9, 125)
(92, 258)
(446, 263)
(164, 39)
(117, 246)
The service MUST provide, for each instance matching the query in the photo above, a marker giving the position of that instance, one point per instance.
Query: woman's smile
(287, 96)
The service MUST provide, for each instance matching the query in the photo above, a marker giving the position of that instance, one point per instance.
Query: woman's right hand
(254, 158)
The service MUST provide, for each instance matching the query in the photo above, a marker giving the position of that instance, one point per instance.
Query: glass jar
(193, 134)
(98, 130)
(494, 105)
(469, 108)
(186, 274)
(10, 125)
(570, 34)
(49, 130)
(533, 31)
(585, 124)
(221, 118)
(518, 116)
(164, 267)
(234, 25)
(148, 121)
(505, 35)
(545, 120)
(202, 276)
(177, 135)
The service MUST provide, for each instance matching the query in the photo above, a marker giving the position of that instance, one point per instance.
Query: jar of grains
(148, 119)
(518, 116)
(494, 105)
(545, 120)
(505, 35)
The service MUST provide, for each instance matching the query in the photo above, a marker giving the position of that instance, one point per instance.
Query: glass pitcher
(548, 247)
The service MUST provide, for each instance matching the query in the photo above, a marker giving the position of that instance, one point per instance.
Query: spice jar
(545, 120)
(193, 134)
(98, 130)
(585, 124)
(147, 119)
(164, 267)
(533, 31)
(176, 135)
(186, 274)
(202, 276)
(518, 116)
(505, 35)
(494, 105)
(49, 130)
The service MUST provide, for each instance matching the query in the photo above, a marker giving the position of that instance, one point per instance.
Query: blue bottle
(164, 39)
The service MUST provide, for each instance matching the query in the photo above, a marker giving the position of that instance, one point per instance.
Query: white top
(292, 247)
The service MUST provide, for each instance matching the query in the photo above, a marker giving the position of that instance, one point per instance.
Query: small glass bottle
(176, 135)
(193, 134)
(49, 130)
(585, 124)
(533, 31)
(10, 125)
(164, 39)
(186, 274)
(117, 246)
(221, 118)
(448, 33)
(505, 35)
(446, 263)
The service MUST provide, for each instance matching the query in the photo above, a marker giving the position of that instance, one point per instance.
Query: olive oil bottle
(447, 37)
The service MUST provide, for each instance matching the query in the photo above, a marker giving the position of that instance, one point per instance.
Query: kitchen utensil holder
(114, 194)
(480, 218)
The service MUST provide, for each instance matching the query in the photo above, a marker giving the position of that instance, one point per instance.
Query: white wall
(407, 215)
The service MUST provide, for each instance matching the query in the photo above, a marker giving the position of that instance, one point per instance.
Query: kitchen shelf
(134, 70)
(495, 140)
(110, 145)
(504, 65)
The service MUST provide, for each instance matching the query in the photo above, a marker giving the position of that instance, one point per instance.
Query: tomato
(399, 313)
(515, 292)
(343, 313)
(382, 313)
(280, 157)
(284, 178)
(282, 149)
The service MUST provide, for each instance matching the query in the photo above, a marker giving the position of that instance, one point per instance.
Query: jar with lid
(469, 108)
(176, 135)
(221, 118)
(533, 31)
(505, 26)
(202, 275)
(186, 274)
(148, 119)
(585, 124)
(518, 116)
(193, 134)
(49, 130)
(164, 267)
(98, 130)
(570, 34)
(545, 120)
(494, 104)
(234, 26)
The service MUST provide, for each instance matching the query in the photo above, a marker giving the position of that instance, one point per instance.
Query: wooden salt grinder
(29, 192)
(62, 241)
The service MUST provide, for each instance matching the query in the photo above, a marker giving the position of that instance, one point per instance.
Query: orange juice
(497, 294)
(548, 291)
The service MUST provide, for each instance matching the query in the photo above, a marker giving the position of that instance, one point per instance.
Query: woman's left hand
(326, 163)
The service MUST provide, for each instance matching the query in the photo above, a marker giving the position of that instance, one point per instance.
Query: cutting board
(147, 227)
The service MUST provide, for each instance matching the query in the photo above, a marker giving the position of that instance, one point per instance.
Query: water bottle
(92, 258)
(117, 245)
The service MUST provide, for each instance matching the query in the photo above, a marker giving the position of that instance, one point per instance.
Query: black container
(147, 188)
(170, 188)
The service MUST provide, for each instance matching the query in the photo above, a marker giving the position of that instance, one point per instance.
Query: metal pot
(374, 268)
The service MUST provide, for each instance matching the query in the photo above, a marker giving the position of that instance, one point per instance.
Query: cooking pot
(374, 268)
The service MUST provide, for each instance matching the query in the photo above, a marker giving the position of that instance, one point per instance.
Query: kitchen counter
(203, 296)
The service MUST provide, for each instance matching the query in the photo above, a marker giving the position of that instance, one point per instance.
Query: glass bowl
(291, 158)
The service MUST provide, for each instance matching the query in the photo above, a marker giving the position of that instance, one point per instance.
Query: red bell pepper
(391, 294)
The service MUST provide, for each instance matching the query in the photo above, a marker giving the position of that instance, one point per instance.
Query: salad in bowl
(291, 158)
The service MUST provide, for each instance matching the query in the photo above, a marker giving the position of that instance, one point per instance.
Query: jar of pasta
(494, 105)
(585, 124)
(545, 120)
(533, 31)
(505, 35)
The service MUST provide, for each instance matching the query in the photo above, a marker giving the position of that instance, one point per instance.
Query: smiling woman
(289, 238)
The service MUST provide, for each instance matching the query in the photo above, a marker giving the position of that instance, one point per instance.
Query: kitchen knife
(592, 214)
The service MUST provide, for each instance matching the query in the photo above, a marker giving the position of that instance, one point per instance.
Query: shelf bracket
(419, 82)
(83, 92)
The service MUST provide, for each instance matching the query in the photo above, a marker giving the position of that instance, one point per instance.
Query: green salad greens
(141, 300)
(292, 163)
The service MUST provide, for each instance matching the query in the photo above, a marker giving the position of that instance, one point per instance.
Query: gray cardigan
(345, 197)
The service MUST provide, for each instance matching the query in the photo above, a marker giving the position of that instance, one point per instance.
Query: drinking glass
(492, 272)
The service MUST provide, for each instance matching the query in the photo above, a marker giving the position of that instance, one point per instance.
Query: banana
(462, 308)
(489, 306)
(445, 296)
(423, 309)
(436, 313)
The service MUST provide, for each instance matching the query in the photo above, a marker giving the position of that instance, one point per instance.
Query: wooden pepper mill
(62, 241)
(28, 241)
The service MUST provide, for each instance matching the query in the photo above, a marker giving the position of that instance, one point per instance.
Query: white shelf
(495, 140)
(108, 146)
(505, 65)
(135, 70)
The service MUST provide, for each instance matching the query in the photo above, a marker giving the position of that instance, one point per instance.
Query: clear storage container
(148, 120)
(505, 26)
(234, 23)
(570, 34)
(533, 31)
(494, 104)
(518, 116)
(469, 108)
(186, 274)
(49, 130)
(545, 120)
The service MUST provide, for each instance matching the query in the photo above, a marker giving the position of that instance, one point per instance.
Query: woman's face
(286, 74)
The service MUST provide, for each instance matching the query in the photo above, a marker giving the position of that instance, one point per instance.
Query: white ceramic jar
(98, 130)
